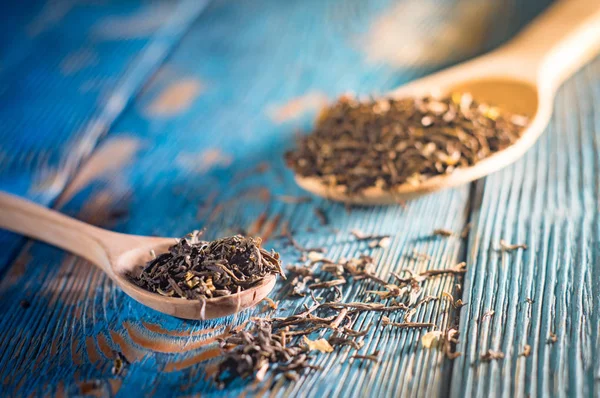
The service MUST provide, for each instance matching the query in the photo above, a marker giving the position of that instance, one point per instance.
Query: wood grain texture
(258, 63)
(549, 201)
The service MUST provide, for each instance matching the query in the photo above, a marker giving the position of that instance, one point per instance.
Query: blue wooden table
(160, 117)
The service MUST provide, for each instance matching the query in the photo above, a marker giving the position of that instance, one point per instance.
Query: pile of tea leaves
(387, 142)
(195, 269)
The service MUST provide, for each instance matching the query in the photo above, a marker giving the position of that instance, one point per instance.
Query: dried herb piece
(324, 285)
(321, 345)
(442, 232)
(526, 350)
(270, 303)
(491, 355)
(488, 314)
(359, 235)
(374, 357)
(119, 363)
(406, 325)
(552, 338)
(195, 269)
(450, 339)
(340, 341)
(386, 142)
(431, 339)
(382, 243)
(416, 255)
(507, 247)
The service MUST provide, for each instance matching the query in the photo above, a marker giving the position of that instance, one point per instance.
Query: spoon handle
(29, 219)
(557, 43)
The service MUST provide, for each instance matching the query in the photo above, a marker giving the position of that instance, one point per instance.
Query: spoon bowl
(117, 255)
(521, 77)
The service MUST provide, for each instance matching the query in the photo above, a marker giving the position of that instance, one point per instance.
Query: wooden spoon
(521, 77)
(116, 254)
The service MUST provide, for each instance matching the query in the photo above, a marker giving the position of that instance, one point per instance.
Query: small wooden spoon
(116, 254)
(521, 77)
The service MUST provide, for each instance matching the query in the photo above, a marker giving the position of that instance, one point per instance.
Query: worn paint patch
(270, 227)
(104, 345)
(105, 162)
(138, 25)
(191, 361)
(204, 161)
(76, 352)
(297, 107)
(175, 98)
(104, 209)
(258, 224)
(91, 349)
(19, 266)
(132, 353)
(425, 33)
(78, 60)
(167, 345)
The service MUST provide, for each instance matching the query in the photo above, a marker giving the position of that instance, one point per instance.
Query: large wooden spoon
(116, 254)
(521, 76)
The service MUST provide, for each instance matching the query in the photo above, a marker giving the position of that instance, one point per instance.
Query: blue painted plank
(549, 201)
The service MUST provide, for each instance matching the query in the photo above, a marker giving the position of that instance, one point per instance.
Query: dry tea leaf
(442, 232)
(321, 345)
(491, 355)
(526, 350)
(315, 256)
(431, 339)
(448, 296)
(488, 314)
(507, 247)
(269, 302)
